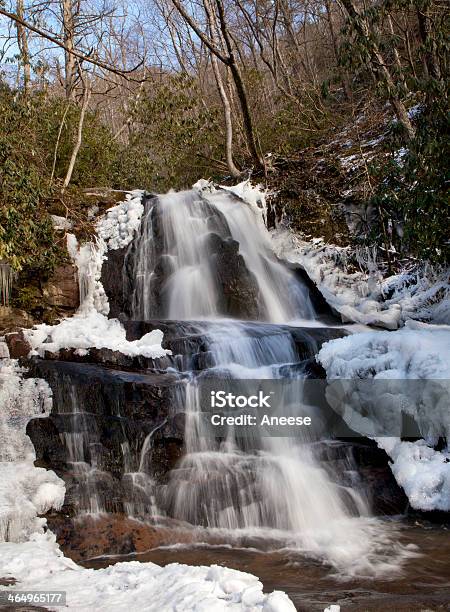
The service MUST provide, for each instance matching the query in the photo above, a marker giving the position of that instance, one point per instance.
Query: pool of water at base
(423, 583)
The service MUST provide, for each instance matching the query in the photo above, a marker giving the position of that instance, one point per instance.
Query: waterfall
(195, 251)
(187, 242)
(201, 264)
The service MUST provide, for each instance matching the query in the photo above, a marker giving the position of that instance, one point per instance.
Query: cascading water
(187, 242)
(179, 267)
(202, 262)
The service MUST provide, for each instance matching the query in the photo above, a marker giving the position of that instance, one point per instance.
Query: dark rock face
(13, 319)
(237, 287)
(61, 290)
(115, 282)
(373, 476)
(97, 428)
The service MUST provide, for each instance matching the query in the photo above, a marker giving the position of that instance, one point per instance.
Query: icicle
(6, 280)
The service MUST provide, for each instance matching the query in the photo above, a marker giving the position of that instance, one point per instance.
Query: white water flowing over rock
(417, 352)
(184, 226)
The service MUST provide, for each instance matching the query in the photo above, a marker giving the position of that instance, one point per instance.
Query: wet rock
(86, 537)
(360, 464)
(99, 421)
(110, 358)
(238, 292)
(114, 283)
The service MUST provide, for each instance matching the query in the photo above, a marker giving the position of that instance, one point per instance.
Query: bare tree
(229, 59)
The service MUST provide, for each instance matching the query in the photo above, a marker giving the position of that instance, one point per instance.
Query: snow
(92, 329)
(61, 223)
(363, 295)
(39, 564)
(418, 352)
(25, 491)
(333, 608)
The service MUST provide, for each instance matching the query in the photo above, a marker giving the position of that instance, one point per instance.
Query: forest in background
(155, 95)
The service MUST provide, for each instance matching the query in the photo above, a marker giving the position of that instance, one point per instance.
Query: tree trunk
(240, 90)
(234, 171)
(68, 11)
(22, 43)
(73, 158)
(428, 43)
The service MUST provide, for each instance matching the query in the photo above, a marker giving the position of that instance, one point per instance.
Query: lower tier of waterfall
(142, 443)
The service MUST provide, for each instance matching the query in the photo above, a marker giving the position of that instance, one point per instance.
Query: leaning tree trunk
(234, 171)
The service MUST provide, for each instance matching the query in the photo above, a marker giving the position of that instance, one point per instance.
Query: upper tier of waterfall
(203, 255)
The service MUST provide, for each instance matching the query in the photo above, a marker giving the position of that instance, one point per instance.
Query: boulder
(61, 290)
(13, 319)
(18, 345)
(238, 292)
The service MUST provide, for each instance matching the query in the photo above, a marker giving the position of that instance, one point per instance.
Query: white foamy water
(175, 238)
(258, 484)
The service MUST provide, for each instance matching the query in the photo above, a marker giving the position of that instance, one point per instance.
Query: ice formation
(25, 491)
(418, 352)
(119, 224)
(115, 231)
(90, 327)
(363, 296)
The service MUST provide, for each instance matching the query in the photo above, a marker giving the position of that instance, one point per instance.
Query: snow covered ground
(418, 352)
(91, 329)
(39, 564)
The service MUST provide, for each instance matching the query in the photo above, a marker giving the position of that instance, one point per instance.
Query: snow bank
(399, 359)
(93, 330)
(363, 296)
(39, 564)
(25, 491)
